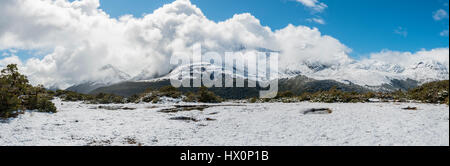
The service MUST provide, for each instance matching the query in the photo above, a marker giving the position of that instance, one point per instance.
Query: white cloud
(82, 38)
(5, 54)
(408, 58)
(401, 31)
(317, 20)
(444, 33)
(10, 60)
(440, 15)
(314, 5)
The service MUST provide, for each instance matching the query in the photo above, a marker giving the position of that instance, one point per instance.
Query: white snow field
(269, 124)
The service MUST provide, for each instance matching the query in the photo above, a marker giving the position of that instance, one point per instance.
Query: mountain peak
(110, 74)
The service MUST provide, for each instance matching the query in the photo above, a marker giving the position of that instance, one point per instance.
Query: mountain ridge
(316, 76)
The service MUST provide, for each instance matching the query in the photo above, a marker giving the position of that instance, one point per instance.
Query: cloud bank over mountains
(81, 40)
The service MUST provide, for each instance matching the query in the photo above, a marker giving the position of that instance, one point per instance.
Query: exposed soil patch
(210, 119)
(113, 108)
(318, 111)
(184, 118)
(181, 108)
(410, 108)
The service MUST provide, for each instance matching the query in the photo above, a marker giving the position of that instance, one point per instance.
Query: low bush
(253, 100)
(45, 105)
(206, 96)
(433, 92)
(203, 95)
(133, 99)
(154, 96)
(190, 97)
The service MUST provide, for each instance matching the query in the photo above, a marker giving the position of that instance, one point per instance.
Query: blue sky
(366, 26)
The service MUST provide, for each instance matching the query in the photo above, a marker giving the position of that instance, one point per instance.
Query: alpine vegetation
(18, 96)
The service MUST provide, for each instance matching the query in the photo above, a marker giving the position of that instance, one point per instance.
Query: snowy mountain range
(369, 75)
(376, 74)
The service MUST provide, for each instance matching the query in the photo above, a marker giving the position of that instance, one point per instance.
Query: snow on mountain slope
(193, 70)
(369, 74)
(379, 69)
(427, 71)
(377, 73)
(107, 75)
(110, 75)
(372, 74)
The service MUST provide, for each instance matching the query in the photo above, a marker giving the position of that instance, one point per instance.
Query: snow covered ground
(231, 124)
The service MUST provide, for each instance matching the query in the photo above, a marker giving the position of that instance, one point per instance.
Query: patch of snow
(232, 124)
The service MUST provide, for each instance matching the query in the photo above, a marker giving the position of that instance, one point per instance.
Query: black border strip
(277, 154)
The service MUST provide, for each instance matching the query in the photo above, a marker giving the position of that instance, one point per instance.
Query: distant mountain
(376, 75)
(297, 84)
(86, 87)
(301, 84)
(427, 71)
(128, 88)
(108, 75)
(313, 76)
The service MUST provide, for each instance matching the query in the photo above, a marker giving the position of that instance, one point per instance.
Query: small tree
(18, 95)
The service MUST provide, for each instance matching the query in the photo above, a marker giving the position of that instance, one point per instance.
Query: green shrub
(9, 105)
(169, 91)
(132, 99)
(16, 94)
(369, 95)
(433, 92)
(333, 96)
(156, 100)
(206, 96)
(44, 105)
(190, 97)
(103, 98)
(305, 97)
(253, 100)
(149, 98)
